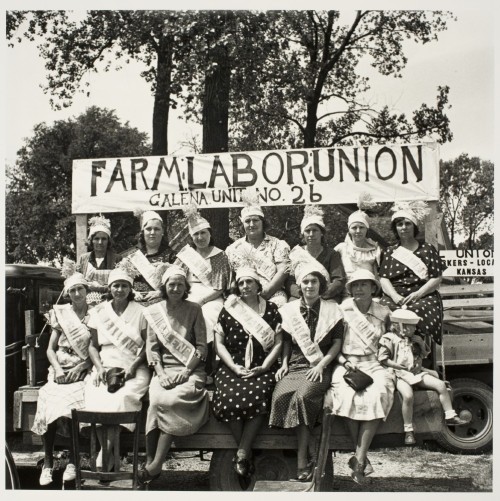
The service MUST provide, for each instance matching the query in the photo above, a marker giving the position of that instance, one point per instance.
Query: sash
(196, 264)
(122, 335)
(100, 276)
(364, 330)
(146, 269)
(408, 258)
(251, 321)
(180, 348)
(77, 333)
(264, 266)
(300, 254)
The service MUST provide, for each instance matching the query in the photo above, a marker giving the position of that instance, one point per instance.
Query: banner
(468, 263)
(281, 177)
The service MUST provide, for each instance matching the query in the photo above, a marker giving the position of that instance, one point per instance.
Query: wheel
(11, 476)
(474, 397)
(269, 465)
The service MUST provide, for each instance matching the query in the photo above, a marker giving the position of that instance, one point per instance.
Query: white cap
(362, 274)
(253, 210)
(148, 215)
(247, 271)
(172, 271)
(318, 220)
(75, 279)
(405, 214)
(304, 269)
(99, 223)
(119, 274)
(197, 224)
(358, 217)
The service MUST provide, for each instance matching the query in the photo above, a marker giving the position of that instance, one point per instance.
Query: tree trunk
(311, 124)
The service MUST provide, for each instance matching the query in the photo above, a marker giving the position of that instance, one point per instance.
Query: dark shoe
(410, 438)
(357, 468)
(242, 467)
(368, 467)
(144, 477)
(305, 474)
(457, 421)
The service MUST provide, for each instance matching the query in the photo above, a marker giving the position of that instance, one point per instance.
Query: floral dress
(405, 281)
(236, 398)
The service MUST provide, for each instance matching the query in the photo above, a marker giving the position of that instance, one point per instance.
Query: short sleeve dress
(356, 258)
(405, 281)
(236, 398)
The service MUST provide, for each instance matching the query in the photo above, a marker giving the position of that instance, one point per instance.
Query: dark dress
(296, 400)
(405, 281)
(236, 398)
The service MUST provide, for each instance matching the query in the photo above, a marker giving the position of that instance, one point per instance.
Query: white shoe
(46, 476)
(69, 473)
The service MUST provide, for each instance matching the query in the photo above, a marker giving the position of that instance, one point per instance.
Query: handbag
(115, 379)
(357, 380)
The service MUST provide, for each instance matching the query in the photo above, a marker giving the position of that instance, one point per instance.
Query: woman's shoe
(242, 467)
(368, 467)
(305, 474)
(144, 477)
(410, 438)
(357, 468)
(46, 476)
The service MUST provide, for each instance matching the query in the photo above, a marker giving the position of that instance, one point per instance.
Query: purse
(115, 379)
(357, 380)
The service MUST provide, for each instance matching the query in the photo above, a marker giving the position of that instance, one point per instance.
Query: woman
(312, 337)
(68, 355)
(151, 257)
(96, 264)
(176, 349)
(312, 229)
(411, 272)
(366, 321)
(248, 342)
(207, 268)
(358, 251)
(270, 252)
(120, 377)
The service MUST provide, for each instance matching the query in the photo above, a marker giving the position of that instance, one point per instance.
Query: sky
(462, 58)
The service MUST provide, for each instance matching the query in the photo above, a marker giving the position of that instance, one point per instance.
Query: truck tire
(470, 395)
(11, 475)
(269, 465)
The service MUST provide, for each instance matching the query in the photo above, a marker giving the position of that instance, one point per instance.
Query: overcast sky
(462, 58)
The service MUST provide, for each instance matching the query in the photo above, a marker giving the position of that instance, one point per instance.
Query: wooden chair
(108, 423)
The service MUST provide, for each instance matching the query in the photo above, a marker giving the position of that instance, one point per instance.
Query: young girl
(404, 351)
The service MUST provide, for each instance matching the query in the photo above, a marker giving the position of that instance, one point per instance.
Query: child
(404, 351)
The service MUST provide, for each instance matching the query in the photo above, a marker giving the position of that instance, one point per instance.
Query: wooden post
(29, 326)
(433, 227)
(81, 234)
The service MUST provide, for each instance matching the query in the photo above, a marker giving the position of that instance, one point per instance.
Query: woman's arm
(316, 373)
(430, 286)
(211, 296)
(96, 357)
(285, 356)
(270, 359)
(224, 355)
(139, 360)
(390, 291)
(59, 376)
(276, 283)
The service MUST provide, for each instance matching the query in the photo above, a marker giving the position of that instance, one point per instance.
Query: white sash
(300, 254)
(364, 330)
(181, 348)
(251, 321)
(265, 267)
(198, 266)
(100, 276)
(146, 269)
(76, 332)
(408, 258)
(122, 335)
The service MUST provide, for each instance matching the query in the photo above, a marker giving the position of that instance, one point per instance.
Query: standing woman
(358, 251)
(312, 337)
(96, 264)
(312, 229)
(207, 269)
(68, 355)
(120, 377)
(270, 253)
(411, 271)
(248, 342)
(151, 258)
(176, 349)
(366, 321)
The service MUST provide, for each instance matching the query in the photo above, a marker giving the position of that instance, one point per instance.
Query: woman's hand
(59, 376)
(73, 375)
(349, 365)
(265, 294)
(130, 372)
(181, 377)
(100, 377)
(151, 295)
(414, 296)
(315, 374)
(241, 371)
(398, 299)
(166, 381)
(256, 371)
(281, 373)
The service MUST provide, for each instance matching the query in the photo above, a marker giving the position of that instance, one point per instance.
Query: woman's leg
(406, 392)
(303, 436)
(367, 430)
(236, 428)
(162, 447)
(49, 438)
(353, 427)
(109, 444)
(151, 445)
(250, 429)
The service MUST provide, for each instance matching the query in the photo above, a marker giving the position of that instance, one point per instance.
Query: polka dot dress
(404, 281)
(236, 398)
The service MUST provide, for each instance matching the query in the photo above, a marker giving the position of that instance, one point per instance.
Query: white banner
(282, 177)
(468, 263)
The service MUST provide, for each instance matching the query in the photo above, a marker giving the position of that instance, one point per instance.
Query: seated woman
(366, 321)
(248, 342)
(357, 251)
(96, 264)
(411, 271)
(176, 349)
(312, 229)
(118, 347)
(151, 258)
(312, 336)
(270, 253)
(68, 355)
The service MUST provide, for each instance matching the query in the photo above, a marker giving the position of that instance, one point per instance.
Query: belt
(362, 358)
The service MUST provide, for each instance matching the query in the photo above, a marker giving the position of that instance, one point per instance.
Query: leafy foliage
(39, 224)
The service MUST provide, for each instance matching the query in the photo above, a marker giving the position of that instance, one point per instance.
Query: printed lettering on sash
(122, 335)
(265, 267)
(197, 265)
(147, 270)
(180, 348)
(365, 331)
(410, 260)
(300, 254)
(302, 335)
(251, 321)
(77, 333)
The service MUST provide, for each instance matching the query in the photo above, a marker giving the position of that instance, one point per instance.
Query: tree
(39, 224)
(466, 198)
